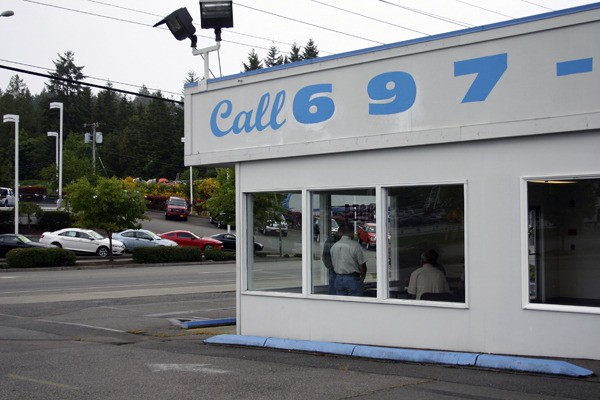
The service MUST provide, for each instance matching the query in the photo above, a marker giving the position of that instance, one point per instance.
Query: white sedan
(82, 241)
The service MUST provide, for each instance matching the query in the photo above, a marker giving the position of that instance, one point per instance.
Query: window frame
(526, 304)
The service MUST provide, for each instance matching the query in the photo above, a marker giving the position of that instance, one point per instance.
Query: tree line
(141, 134)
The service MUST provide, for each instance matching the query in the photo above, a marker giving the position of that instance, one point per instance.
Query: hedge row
(36, 258)
(49, 221)
(168, 254)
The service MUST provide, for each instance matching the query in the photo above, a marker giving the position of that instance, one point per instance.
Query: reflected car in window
(82, 241)
(229, 241)
(11, 241)
(187, 238)
(134, 238)
(366, 234)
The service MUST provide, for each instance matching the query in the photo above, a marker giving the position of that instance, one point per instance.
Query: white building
(482, 144)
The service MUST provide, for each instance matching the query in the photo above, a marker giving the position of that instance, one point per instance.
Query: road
(102, 346)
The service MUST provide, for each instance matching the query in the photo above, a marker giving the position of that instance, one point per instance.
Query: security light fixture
(7, 13)
(216, 14)
(180, 24)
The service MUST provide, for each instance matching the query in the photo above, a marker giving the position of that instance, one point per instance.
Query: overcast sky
(115, 41)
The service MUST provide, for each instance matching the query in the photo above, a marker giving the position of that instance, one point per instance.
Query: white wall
(495, 320)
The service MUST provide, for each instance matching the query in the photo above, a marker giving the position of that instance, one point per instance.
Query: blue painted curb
(523, 364)
(208, 323)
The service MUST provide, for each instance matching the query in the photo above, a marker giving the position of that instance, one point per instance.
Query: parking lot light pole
(55, 134)
(60, 150)
(15, 119)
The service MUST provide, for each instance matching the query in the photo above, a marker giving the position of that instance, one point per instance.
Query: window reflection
(563, 237)
(276, 218)
(426, 220)
(332, 210)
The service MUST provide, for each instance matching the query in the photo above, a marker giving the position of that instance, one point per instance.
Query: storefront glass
(331, 212)
(277, 226)
(426, 221)
(563, 237)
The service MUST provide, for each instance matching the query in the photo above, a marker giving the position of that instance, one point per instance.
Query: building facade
(480, 144)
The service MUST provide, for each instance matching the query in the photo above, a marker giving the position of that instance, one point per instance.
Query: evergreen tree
(310, 50)
(65, 78)
(294, 54)
(254, 62)
(273, 57)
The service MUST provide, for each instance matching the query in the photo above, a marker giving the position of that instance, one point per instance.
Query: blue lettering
(213, 118)
(248, 120)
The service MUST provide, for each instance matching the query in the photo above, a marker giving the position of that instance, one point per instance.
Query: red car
(366, 234)
(187, 238)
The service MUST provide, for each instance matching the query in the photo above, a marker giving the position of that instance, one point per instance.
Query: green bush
(35, 258)
(52, 221)
(166, 254)
(7, 218)
(218, 255)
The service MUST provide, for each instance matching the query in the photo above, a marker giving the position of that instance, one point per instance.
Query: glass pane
(564, 232)
(427, 250)
(332, 211)
(275, 219)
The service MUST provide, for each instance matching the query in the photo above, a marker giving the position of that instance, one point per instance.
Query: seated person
(427, 278)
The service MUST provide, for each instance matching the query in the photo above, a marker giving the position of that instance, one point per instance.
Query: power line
(308, 23)
(24, 71)
(537, 5)
(428, 14)
(485, 9)
(91, 77)
(371, 18)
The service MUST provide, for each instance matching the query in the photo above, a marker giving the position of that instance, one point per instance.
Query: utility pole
(94, 125)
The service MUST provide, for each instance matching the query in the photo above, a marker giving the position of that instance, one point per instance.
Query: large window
(426, 257)
(564, 241)
(275, 218)
(331, 212)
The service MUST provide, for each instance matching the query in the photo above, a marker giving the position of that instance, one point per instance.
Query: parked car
(229, 240)
(219, 221)
(11, 241)
(272, 227)
(134, 238)
(187, 238)
(366, 234)
(82, 241)
(7, 197)
(176, 207)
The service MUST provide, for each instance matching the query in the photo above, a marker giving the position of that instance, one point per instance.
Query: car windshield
(152, 235)
(370, 228)
(95, 235)
(174, 202)
(23, 239)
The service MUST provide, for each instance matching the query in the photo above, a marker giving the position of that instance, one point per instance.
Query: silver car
(134, 238)
(82, 241)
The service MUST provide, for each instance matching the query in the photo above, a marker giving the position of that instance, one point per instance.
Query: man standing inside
(349, 263)
(427, 278)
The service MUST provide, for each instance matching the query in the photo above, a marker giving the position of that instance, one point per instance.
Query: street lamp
(55, 134)
(15, 119)
(214, 14)
(60, 150)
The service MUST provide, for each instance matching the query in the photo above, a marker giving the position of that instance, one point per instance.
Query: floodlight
(180, 24)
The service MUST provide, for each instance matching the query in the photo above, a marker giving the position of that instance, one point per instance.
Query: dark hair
(429, 257)
(345, 229)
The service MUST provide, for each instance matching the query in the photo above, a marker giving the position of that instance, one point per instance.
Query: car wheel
(57, 245)
(367, 246)
(102, 251)
(208, 247)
